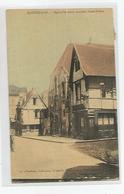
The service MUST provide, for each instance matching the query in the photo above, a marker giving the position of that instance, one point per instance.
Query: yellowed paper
(62, 95)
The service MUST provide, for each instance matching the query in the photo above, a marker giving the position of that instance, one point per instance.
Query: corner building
(82, 93)
(92, 84)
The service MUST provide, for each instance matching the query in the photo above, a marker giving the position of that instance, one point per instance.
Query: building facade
(45, 113)
(82, 94)
(93, 92)
(32, 113)
(16, 95)
(58, 95)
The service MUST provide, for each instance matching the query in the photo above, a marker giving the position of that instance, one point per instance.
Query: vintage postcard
(62, 95)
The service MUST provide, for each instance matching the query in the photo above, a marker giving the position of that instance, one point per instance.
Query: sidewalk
(54, 139)
(58, 139)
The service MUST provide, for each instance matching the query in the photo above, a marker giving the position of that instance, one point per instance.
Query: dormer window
(76, 63)
(34, 101)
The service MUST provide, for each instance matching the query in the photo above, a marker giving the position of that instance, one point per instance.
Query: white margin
(91, 187)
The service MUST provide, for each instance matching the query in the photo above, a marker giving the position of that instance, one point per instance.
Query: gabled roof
(63, 64)
(65, 60)
(30, 94)
(96, 60)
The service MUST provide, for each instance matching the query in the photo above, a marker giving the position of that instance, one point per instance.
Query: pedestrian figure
(12, 143)
(18, 128)
(45, 131)
(40, 131)
(12, 140)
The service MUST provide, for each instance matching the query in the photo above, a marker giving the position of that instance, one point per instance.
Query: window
(106, 119)
(63, 89)
(100, 122)
(36, 113)
(91, 122)
(82, 122)
(55, 85)
(103, 119)
(78, 90)
(63, 112)
(108, 92)
(114, 93)
(103, 90)
(76, 63)
(111, 120)
(34, 101)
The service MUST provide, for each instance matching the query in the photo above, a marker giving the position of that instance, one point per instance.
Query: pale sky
(38, 38)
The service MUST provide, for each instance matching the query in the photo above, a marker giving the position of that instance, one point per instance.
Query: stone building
(57, 96)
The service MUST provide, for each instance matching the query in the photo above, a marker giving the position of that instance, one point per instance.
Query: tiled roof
(96, 60)
(65, 59)
(63, 63)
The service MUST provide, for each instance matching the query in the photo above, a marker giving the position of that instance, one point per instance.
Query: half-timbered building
(32, 112)
(92, 84)
(82, 93)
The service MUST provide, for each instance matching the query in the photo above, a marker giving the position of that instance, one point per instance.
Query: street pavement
(33, 159)
(58, 139)
(54, 138)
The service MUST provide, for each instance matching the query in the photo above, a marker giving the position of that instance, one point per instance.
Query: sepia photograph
(62, 95)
